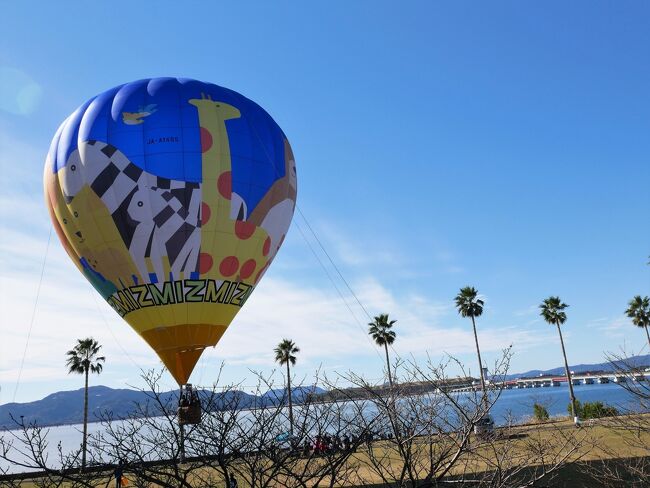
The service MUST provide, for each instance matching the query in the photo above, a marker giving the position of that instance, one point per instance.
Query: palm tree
(552, 309)
(379, 330)
(83, 359)
(285, 354)
(469, 305)
(639, 311)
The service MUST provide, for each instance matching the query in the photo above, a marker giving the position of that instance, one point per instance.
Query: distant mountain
(298, 395)
(633, 362)
(66, 407)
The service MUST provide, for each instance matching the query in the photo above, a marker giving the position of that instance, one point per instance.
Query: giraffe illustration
(231, 249)
(274, 212)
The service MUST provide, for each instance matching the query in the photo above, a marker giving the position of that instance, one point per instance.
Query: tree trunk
(290, 403)
(391, 398)
(647, 334)
(568, 377)
(390, 378)
(480, 363)
(181, 444)
(83, 444)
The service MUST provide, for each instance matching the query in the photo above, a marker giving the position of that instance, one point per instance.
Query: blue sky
(501, 145)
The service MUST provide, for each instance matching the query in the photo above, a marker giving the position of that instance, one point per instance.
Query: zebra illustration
(158, 218)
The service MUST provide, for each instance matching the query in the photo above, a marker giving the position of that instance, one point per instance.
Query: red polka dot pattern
(247, 269)
(266, 247)
(261, 272)
(229, 266)
(244, 230)
(206, 139)
(224, 184)
(205, 263)
(205, 213)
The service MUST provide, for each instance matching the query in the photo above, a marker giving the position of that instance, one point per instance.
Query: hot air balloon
(172, 197)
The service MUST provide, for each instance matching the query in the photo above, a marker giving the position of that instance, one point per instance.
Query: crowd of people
(326, 444)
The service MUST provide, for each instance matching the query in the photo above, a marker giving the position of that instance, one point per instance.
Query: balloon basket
(189, 406)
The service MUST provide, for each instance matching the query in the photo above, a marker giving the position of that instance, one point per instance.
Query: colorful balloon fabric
(172, 197)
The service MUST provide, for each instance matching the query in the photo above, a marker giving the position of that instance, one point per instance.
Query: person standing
(119, 474)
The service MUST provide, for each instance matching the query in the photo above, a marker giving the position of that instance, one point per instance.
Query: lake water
(516, 404)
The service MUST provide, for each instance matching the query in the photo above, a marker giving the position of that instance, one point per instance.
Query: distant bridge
(576, 379)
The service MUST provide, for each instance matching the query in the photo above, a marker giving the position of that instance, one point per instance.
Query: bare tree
(417, 433)
(27, 447)
(627, 460)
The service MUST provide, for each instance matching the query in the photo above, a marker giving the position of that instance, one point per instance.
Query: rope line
(94, 293)
(336, 287)
(31, 322)
(370, 317)
(333, 264)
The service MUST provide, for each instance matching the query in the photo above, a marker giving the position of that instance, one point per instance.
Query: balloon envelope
(172, 197)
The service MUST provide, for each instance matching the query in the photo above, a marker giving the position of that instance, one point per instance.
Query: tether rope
(31, 322)
(93, 293)
(334, 284)
(270, 161)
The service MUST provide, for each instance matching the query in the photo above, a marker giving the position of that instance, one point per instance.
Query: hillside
(66, 407)
(634, 362)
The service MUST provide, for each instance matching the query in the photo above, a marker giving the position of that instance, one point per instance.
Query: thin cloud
(525, 312)
(353, 251)
(617, 327)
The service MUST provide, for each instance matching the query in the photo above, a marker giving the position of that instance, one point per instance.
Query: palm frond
(552, 310)
(639, 311)
(379, 330)
(468, 303)
(285, 352)
(83, 357)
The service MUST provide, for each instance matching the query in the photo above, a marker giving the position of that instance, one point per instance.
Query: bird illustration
(135, 118)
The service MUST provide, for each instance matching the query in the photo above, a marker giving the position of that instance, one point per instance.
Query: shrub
(593, 410)
(578, 409)
(597, 410)
(540, 413)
